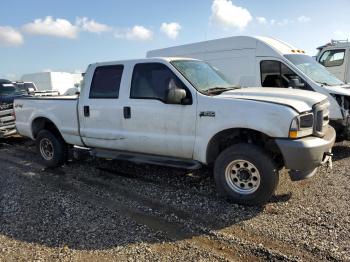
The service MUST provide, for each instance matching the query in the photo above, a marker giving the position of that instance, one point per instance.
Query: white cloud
(91, 25)
(138, 32)
(303, 19)
(10, 36)
(284, 22)
(224, 13)
(53, 27)
(261, 20)
(171, 29)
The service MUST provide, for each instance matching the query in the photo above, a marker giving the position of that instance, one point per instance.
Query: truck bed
(60, 110)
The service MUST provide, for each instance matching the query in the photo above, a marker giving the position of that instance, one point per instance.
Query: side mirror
(295, 83)
(175, 93)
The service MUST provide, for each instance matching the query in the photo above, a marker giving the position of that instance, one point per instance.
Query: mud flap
(297, 175)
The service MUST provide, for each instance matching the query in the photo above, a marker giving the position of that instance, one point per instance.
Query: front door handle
(127, 112)
(86, 111)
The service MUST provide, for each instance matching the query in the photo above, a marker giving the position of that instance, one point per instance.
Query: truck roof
(227, 44)
(335, 43)
(144, 60)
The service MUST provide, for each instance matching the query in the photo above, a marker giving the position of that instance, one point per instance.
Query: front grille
(6, 115)
(321, 112)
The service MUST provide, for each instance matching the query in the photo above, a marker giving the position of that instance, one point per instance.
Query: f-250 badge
(207, 114)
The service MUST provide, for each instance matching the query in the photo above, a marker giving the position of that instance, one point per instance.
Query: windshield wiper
(219, 89)
(323, 83)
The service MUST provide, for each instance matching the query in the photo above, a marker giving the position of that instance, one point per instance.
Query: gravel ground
(100, 210)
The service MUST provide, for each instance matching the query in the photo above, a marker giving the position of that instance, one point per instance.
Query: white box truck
(53, 81)
(267, 62)
(335, 57)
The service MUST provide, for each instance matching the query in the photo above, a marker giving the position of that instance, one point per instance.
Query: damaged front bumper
(303, 156)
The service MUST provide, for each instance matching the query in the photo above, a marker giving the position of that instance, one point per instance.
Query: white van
(335, 57)
(267, 62)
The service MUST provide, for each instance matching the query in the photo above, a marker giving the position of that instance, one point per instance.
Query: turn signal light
(293, 134)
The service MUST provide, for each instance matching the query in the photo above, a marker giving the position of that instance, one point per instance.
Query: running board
(140, 158)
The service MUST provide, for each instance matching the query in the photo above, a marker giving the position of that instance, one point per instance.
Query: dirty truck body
(181, 113)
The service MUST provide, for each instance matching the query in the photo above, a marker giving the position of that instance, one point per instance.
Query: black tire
(253, 173)
(56, 145)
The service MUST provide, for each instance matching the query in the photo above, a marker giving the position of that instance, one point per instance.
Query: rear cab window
(28, 86)
(106, 82)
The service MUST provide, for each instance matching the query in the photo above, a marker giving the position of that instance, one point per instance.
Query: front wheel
(52, 149)
(246, 174)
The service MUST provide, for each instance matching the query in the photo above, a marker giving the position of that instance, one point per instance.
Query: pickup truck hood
(300, 100)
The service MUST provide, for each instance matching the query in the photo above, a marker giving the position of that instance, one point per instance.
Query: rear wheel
(246, 174)
(52, 149)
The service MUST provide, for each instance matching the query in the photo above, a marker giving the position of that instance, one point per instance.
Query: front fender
(270, 119)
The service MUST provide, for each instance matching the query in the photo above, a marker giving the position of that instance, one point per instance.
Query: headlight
(302, 125)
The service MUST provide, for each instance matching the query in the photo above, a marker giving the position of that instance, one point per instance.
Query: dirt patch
(103, 210)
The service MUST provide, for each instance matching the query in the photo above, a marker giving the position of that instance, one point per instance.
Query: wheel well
(43, 123)
(229, 137)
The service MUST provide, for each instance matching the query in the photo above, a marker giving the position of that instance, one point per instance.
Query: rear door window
(106, 82)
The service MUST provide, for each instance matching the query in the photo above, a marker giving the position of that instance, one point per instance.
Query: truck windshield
(8, 90)
(314, 70)
(201, 75)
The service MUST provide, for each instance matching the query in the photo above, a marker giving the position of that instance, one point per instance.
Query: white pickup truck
(181, 112)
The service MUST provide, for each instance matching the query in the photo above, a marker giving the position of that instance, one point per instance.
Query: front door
(152, 125)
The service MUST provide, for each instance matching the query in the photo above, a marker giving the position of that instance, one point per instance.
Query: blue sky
(67, 35)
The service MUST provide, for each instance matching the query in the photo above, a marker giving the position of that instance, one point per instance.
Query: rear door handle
(86, 111)
(127, 112)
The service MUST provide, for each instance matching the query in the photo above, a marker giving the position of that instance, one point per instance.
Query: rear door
(101, 110)
(152, 125)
